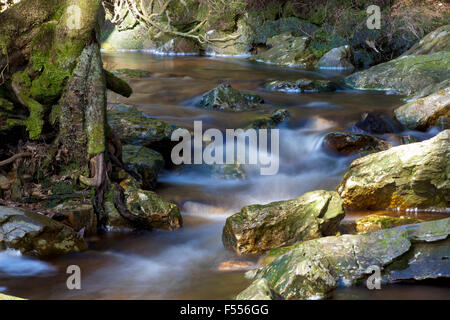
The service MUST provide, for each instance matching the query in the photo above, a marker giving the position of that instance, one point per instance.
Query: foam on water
(14, 264)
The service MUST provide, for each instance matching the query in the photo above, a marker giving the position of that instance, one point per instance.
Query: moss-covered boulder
(226, 98)
(349, 143)
(179, 45)
(288, 50)
(374, 222)
(436, 41)
(270, 121)
(312, 269)
(407, 75)
(424, 113)
(152, 209)
(137, 128)
(32, 233)
(146, 162)
(340, 58)
(408, 176)
(301, 86)
(258, 228)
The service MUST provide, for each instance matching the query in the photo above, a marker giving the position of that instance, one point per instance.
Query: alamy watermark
(374, 17)
(74, 280)
(242, 147)
(374, 280)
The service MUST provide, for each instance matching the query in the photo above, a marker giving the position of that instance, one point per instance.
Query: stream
(184, 264)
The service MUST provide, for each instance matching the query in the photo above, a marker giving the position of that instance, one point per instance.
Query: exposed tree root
(14, 158)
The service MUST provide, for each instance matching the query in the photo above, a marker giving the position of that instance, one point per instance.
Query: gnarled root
(98, 170)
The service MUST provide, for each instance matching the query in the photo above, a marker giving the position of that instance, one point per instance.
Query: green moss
(96, 139)
(35, 121)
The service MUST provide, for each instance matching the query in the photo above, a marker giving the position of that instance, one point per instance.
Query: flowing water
(184, 264)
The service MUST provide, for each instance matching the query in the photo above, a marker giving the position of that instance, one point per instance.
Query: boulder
(374, 222)
(313, 269)
(347, 143)
(436, 41)
(78, 216)
(424, 113)
(408, 176)
(258, 290)
(226, 98)
(301, 86)
(337, 59)
(270, 121)
(179, 45)
(137, 128)
(258, 228)
(32, 233)
(406, 75)
(146, 162)
(287, 50)
(151, 210)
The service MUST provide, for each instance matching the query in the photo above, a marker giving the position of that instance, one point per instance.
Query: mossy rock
(258, 228)
(374, 222)
(33, 233)
(406, 75)
(347, 143)
(146, 162)
(132, 73)
(6, 297)
(408, 176)
(271, 121)
(436, 41)
(226, 98)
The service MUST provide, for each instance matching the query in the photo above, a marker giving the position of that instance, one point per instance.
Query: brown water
(183, 264)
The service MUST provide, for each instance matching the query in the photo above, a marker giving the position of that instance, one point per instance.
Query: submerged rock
(152, 209)
(371, 122)
(407, 75)
(137, 128)
(132, 73)
(425, 113)
(374, 222)
(338, 58)
(312, 269)
(258, 228)
(302, 86)
(436, 41)
(269, 122)
(146, 162)
(227, 266)
(32, 233)
(349, 143)
(408, 176)
(226, 98)
(287, 50)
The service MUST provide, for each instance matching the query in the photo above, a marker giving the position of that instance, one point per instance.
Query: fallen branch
(14, 158)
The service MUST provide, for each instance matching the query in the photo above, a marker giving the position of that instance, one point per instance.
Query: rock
(289, 25)
(146, 162)
(225, 97)
(235, 266)
(4, 182)
(287, 50)
(78, 216)
(5, 297)
(422, 262)
(350, 143)
(374, 222)
(151, 208)
(258, 228)
(408, 176)
(371, 122)
(228, 171)
(436, 41)
(130, 37)
(407, 75)
(338, 59)
(312, 269)
(302, 86)
(32, 233)
(269, 122)
(132, 73)
(424, 113)
(179, 45)
(258, 290)
(137, 128)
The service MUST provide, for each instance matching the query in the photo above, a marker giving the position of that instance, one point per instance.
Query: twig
(14, 158)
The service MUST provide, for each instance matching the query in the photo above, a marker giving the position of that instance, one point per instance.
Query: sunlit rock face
(34, 233)
(427, 112)
(408, 176)
(258, 228)
(313, 269)
(438, 40)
